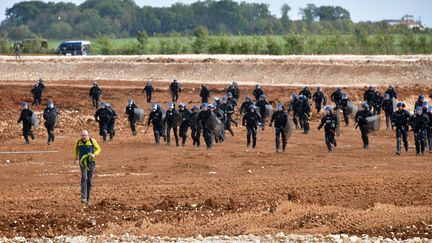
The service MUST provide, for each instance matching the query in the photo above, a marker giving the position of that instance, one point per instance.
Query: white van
(74, 48)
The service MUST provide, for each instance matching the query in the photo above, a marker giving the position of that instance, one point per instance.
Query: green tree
(294, 44)
(201, 38)
(104, 43)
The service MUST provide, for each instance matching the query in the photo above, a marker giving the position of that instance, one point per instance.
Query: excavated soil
(143, 188)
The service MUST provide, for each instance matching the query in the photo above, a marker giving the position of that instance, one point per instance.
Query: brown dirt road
(142, 188)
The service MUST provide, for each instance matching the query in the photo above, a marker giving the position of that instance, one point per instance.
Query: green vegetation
(210, 26)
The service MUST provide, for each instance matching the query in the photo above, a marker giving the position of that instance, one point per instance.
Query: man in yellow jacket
(86, 149)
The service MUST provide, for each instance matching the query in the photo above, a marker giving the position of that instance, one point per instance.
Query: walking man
(95, 93)
(50, 115)
(86, 150)
(25, 118)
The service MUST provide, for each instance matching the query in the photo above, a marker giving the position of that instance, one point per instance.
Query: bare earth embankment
(167, 191)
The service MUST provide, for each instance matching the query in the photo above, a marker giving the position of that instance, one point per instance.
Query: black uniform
(25, 118)
(400, 120)
(377, 103)
(262, 111)
(185, 124)
(228, 109)
(305, 91)
(305, 111)
(418, 103)
(320, 99)
(95, 93)
(257, 92)
(37, 94)
(245, 107)
(369, 97)
(155, 118)
(111, 124)
(336, 97)
(130, 111)
(50, 116)
(203, 116)
(235, 91)
(175, 90)
(204, 94)
(280, 119)
(419, 124)
(329, 122)
(148, 89)
(392, 93)
(387, 106)
(195, 128)
(360, 118)
(250, 120)
(345, 111)
(103, 116)
(171, 120)
(223, 118)
(294, 106)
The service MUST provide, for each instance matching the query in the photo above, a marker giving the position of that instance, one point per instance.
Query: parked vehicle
(74, 48)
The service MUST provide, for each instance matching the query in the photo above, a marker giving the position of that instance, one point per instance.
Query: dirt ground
(143, 188)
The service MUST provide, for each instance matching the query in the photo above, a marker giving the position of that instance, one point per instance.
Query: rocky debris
(278, 237)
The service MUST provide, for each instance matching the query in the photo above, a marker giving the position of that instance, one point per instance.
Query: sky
(361, 10)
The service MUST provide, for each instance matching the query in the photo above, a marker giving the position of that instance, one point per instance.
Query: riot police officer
(195, 126)
(280, 119)
(345, 109)
(148, 89)
(257, 92)
(130, 112)
(245, 105)
(171, 120)
(185, 115)
(329, 121)
(261, 104)
(155, 118)
(95, 94)
(103, 115)
(50, 115)
(26, 118)
(305, 113)
(319, 98)
(361, 120)
(203, 117)
(251, 121)
(400, 120)
(228, 109)
(387, 106)
(175, 89)
(419, 124)
(204, 93)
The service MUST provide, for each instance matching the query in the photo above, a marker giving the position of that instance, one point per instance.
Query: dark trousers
(305, 124)
(26, 131)
(132, 125)
(364, 134)
(195, 134)
(420, 140)
(401, 134)
(318, 106)
(345, 116)
(149, 97)
(388, 116)
(251, 132)
(183, 132)
(280, 132)
(204, 100)
(87, 180)
(296, 120)
(207, 134)
(103, 129)
(95, 101)
(228, 125)
(37, 100)
(111, 129)
(329, 137)
(50, 130)
(157, 132)
(168, 133)
(175, 97)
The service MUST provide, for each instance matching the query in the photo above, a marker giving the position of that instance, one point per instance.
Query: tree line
(124, 18)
